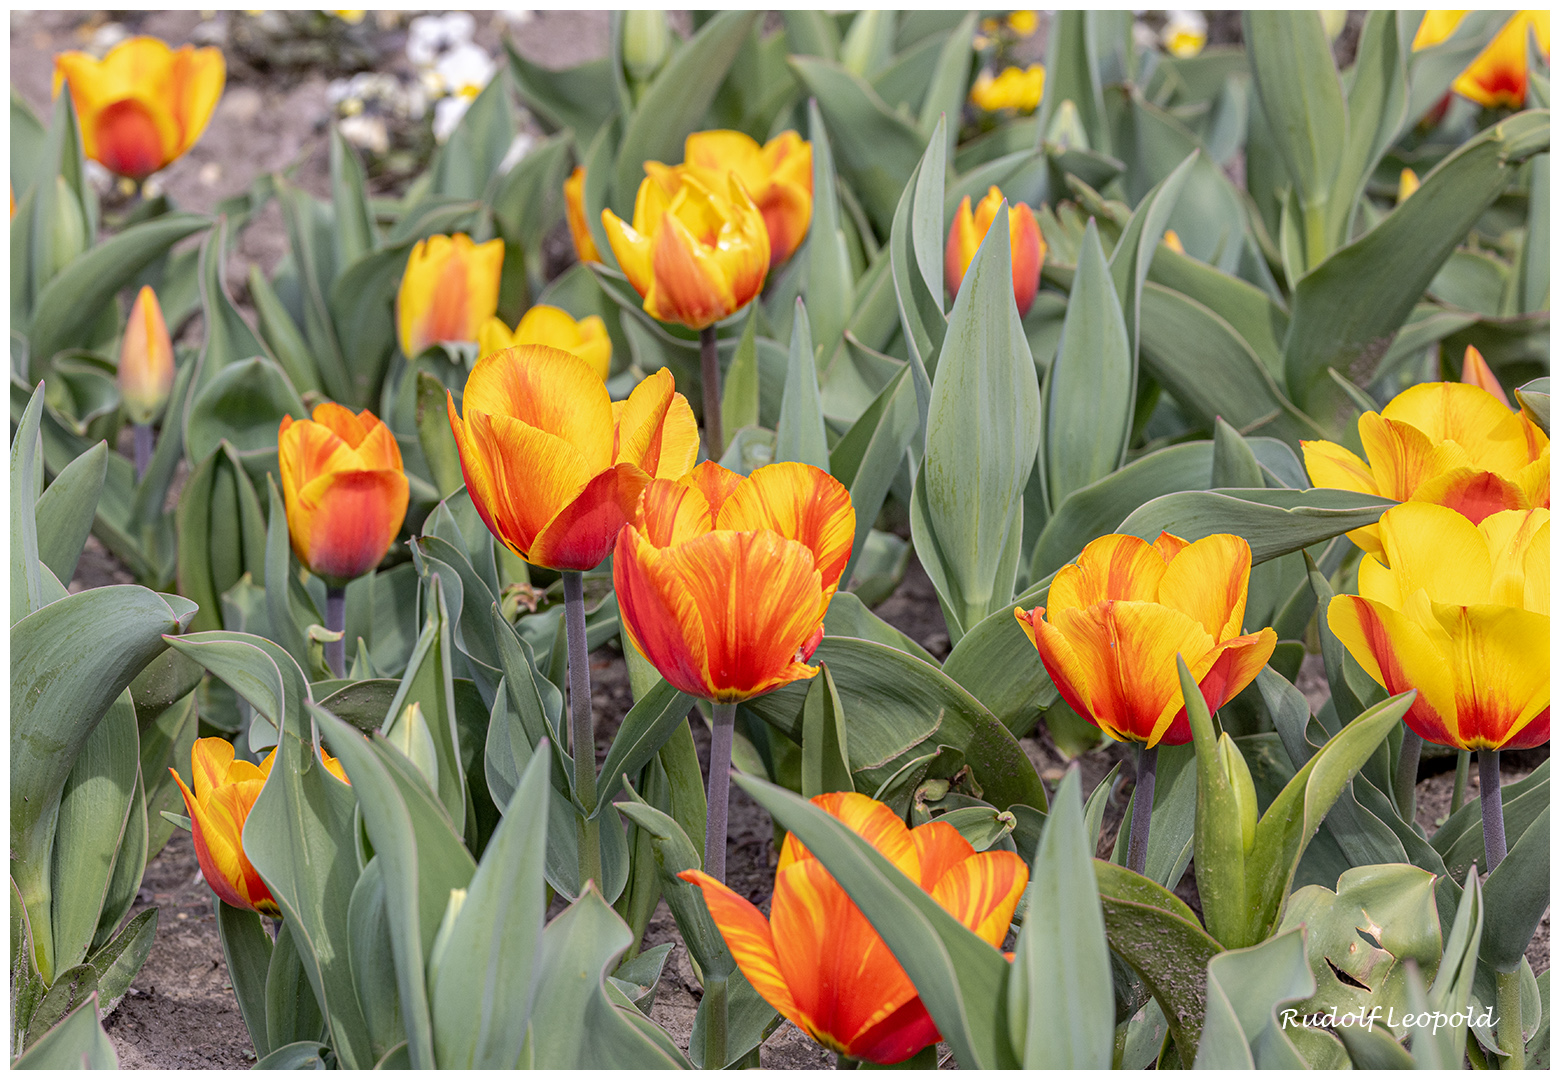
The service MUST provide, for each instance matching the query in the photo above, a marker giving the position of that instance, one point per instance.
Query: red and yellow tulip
(225, 792)
(778, 176)
(818, 961)
(1459, 612)
(579, 224)
(144, 104)
(1118, 617)
(1498, 75)
(1017, 89)
(1028, 246)
(694, 255)
(449, 289)
(547, 325)
(722, 580)
(1446, 443)
(553, 464)
(145, 359)
(345, 488)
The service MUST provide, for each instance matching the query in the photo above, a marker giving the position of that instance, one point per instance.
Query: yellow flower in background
(144, 104)
(350, 17)
(547, 325)
(1185, 33)
(1173, 242)
(1024, 23)
(1013, 89)
(145, 359)
(574, 210)
(695, 256)
(1498, 75)
(449, 289)
(1408, 183)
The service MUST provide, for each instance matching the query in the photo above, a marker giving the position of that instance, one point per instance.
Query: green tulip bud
(647, 42)
(1239, 776)
(67, 227)
(1066, 129)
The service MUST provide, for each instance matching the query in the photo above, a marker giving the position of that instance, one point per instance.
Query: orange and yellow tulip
(818, 961)
(1028, 246)
(1475, 372)
(1459, 612)
(345, 488)
(144, 104)
(546, 325)
(554, 466)
(225, 792)
(1013, 89)
(579, 224)
(1119, 616)
(145, 359)
(449, 289)
(722, 580)
(1498, 75)
(778, 176)
(1447, 443)
(695, 256)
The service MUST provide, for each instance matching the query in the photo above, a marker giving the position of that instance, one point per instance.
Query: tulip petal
(1113, 567)
(655, 428)
(1061, 663)
(1403, 458)
(1236, 663)
(632, 249)
(216, 824)
(1433, 548)
(1502, 673)
(982, 892)
(1332, 466)
(687, 286)
(1208, 581)
(748, 937)
(672, 513)
(1474, 495)
(902, 1033)
(532, 475)
(875, 823)
(1534, 479)
(1397, 652)
(1492, 435)
(581, 535)
(658, 615)
(209, 761)
(352, 518)
(579, 226)
(1519, 552)
(801, 502)
(197, 77)
(548, 389)
(939, 848)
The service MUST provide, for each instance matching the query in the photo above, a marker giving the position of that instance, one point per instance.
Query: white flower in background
(447, 112)
(1185, 33)
(522, 145)
(464, 70)
(366, 132)
(430, 36)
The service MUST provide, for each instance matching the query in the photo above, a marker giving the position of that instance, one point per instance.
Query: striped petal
(655, 428)
(1475, 495)
(939, 848)
(1061, 663)
(752, 946)
(1332, 466)
(963, 241)
(632, 249)
(1475, 372)
(1401, 655)
(688, 286)
(548, 389)
(1113, 567)
(531, 475)
(802, 503)
(581, 534)
(1403, 458)
(1028, 253)
(1501, 668)
(209, 762)
(1492, 435)
(982, 892)
(1236, 663)
(672, 512)
(875, 823)
(1208, 580)
(1518, 543)
(659, 615)
(579, 226)
(352, 519)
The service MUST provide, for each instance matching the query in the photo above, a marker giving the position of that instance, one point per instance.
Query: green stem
(709, 375)
(1508, 1018)
(715, 1022)
(1407, 774)
(1315, 220)
(1460, 781)
(582, 728)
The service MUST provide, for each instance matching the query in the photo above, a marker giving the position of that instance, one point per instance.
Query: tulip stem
(709, 375)
(144, 445)
(336, 620)
(1407, 773)
(1489, 802)
(1142, 809)
(715, 1022)
(582, 727)
(720, 789)
(1460, 781)
(1508, 1013)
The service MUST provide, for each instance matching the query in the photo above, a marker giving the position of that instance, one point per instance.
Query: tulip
(1028, 246)
(722, 583)
(778, 176)
(1475, 372)
(579, 224)
(1408, 183)
(144, 104)
(545, 325)
(145, 371)
(1013, 89)
(225, 792)
(449, 289)
(1446, 443)
(1498, 76)
(818, 960)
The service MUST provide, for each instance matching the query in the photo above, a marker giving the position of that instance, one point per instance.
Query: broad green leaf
(578, 98)
(1517, 892)
(1460, 839)
(243, 404)
(1254, 315)
(1089, 387)
(1274, 522)
(228, 336)
(825, 761)
(1377, 100)
(1454, 977)
(957, 975)
(739, 397)
(291, 1013)
(1060, 1008)
(644, 730)
(429, 682)
(246, 948)
(464, 166)
(830, 282)
(799, 435)
(812, 33)
(1533, 269)
(950, 77)
(77, 1040)
(221, 531)
(917, 297)
(674, 853)
(314, 238)
(371, 956)
(120, 959)
(1245, 988)
(31, 587)
(1134, 252)
(355, 232)
(65, 511)
(868, 458)
(1218, 841)
(1072, 74)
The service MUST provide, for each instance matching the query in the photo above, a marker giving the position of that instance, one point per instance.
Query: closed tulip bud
(579, 224)
(1118, 617)
(544, 325)
(1498, 76)
(225, 792)
(145, 360)
(67, 228)
(818, 960)
(345, 489)
(553, 465)
(1447, 443)
(449, 289)
(144, 104)
(1239, 776)
(1475, 372)
(695, 256)
(1459, 612)
(647, 42)
(1028, 246)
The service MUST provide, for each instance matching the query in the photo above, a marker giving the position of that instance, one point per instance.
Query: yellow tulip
(449, 289)
(546, 325)
(1498, 75)
(1013, 89)
(574, 210)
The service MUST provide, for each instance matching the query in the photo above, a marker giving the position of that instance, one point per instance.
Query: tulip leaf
(674, 103)
(799, 435)
(1134, 251)
(1517, 892)
(371, 957)
(70, 661)
(1218, 845)
(314, 235)
(91, 832)
(576, 98)
(1460, 839)
(246, 949)
(429, 682)
(1533, 267)
(1061, 1012)
(644, 730)
(1245, 988)
(957, 975)
(982, 434)
(242, 405)
(278, 579)
(91, 281)
(1534, 400)
(290, 1009)
(31, 587)
(355, 233)
(65, 511)
(868, 458)
(575, 1024)
(830, 282)
(1273, 521)
(950, 77)
(221, 531)
(825, 762)
(77, 1039)
(739, 397)
(465, 165)
(749, 1021)
(1345, 310)
(918, 290)
(997, 664)
(228, 336)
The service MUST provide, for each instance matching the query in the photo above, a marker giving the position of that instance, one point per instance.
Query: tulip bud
(1408, 183)
(1173, 242)
(145, 360)
(647, 42)
(1027, 245)
(1239, 776)
(410, 735)
(67, 228)
(1333, 23)
(858, 50)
